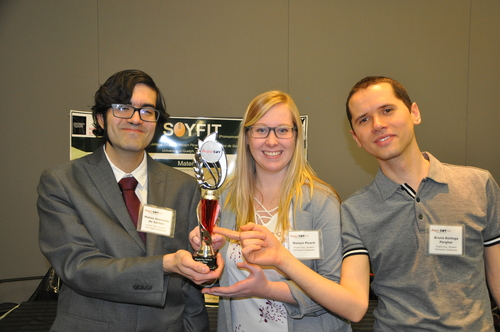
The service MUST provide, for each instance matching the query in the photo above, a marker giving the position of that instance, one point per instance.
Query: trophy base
(211, 262)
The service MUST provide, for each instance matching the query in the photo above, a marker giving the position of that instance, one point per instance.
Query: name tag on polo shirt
(305, 244)
(156, 220)
(446, 240)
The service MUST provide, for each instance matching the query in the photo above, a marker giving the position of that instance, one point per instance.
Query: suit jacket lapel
(102, 175)
(156, 196)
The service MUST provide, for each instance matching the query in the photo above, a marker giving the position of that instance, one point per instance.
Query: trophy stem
(208, 214)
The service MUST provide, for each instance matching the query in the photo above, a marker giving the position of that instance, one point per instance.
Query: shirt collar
(140, 173)
(387, 187)
(436, 170)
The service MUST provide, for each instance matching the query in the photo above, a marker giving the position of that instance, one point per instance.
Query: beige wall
(211, 58)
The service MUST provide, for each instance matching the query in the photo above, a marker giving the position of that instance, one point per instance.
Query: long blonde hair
(241, 186)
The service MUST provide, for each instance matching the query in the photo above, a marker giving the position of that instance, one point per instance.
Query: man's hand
(182, 262)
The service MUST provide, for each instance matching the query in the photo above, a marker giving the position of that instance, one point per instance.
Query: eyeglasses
(263, 131)
(123, 111)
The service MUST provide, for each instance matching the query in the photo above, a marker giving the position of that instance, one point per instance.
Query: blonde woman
(273, 185)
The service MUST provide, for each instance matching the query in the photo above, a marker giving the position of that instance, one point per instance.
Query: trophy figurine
(211, 157)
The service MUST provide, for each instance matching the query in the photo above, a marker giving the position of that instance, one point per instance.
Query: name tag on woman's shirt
(305, 244)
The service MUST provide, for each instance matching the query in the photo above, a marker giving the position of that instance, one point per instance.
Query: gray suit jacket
(112, 280)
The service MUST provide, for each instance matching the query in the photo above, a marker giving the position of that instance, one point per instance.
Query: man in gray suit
(113, 280)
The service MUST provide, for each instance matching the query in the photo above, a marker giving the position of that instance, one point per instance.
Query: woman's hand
(254, 285)
(259, 245)
(218, 240)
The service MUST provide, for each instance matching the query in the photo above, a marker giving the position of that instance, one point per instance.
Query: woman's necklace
(263, 216)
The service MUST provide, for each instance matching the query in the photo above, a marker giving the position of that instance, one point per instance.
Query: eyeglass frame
(269, 129)
(136, 109)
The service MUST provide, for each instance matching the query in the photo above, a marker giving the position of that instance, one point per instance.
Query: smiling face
(382, 123)
(129, 137)
(272, 155)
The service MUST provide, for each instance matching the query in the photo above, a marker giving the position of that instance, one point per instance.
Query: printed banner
(175, 144)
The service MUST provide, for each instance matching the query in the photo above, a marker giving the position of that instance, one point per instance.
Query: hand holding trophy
(211, 156)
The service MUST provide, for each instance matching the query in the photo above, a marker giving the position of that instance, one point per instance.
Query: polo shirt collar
(436, 169)
(387, 187)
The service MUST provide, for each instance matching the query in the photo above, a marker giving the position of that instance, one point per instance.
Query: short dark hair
(118, 90)
(399, 91)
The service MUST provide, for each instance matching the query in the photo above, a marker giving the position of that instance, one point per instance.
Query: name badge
(156, 220)
(305, 244)
(446, 240)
